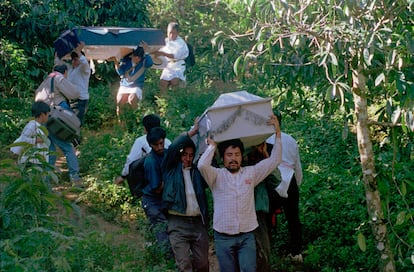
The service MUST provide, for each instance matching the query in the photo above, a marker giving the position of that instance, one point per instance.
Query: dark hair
(74, 55)
(60, 68)
(279, 116)
(155, 134)
(150, 121)
(139, 52)
(173, 156)
(39, 107)
(230, 143)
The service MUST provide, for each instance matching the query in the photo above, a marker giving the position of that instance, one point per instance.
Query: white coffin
(236, 115)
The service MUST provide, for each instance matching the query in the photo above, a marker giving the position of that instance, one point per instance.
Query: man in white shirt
(234, 218)
(140, 148)
(175, 51)
(286, 194)
(79, 73)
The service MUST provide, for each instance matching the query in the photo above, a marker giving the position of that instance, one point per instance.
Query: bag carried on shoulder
(62, 123)
(136, 177)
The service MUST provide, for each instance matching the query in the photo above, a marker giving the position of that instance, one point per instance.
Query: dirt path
(88, 221)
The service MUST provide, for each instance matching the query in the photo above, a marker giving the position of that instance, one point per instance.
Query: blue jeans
(236, 252)
(68, 151)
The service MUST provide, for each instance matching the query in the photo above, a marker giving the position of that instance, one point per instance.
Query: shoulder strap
(52, 92)
(52, 85)
(136, 75)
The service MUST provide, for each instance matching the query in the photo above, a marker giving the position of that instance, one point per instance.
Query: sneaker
(78, 182)
(296, 258)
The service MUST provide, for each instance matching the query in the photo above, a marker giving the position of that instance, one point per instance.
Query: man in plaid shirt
(234, 217)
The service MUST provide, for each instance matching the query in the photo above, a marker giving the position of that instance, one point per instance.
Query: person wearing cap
(286, 194)
(234, 216)
(175, 51)
(132, 69)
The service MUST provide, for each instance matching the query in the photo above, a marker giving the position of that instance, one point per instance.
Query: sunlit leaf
(400, 218)
(403, 189)
(361, 242)
(334, 60)
(367, 56)
(380, 78)
(396, 115)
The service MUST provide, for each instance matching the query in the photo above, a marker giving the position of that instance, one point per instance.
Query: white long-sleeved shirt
(29, 135)
(290, 164)
(233, 193)
(79, 75)
(175, 67)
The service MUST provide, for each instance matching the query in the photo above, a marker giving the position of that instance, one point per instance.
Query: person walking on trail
(35, 134)
(186, 200)
(286, 194)
(175, 51)
(132, 69)
(63, 91)
(152, 203)
(79, 73)
(234, 216)
(141, 148)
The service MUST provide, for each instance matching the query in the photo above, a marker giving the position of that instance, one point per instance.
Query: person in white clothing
(286, 194)
(140, 148)
(234, 217)
(79, 73)
(35, 134)
(175, 51)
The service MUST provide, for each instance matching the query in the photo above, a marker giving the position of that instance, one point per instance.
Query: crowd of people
(246, 191)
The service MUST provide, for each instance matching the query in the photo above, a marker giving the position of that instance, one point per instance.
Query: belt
(186, 218)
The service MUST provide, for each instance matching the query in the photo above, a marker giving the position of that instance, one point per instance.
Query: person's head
(75, 59)
(40, 111)
(182, 151)
(231, 152)
(257, 153)
(155, 138)
(172, 31)
(150, 121)
(187, 152)
(61, 69)
(138, 54)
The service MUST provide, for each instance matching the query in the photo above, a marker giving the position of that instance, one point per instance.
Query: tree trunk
(375, 213)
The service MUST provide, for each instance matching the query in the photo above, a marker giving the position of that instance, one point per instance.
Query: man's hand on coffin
(79, 48)
(273, 121)
(144, 45)
(210, 141)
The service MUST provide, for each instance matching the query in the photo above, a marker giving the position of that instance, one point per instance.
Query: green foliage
(39, 23)
(14, 113)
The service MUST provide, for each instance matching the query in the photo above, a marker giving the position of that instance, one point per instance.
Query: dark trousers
(154, 209)
(290, 207)
(80, 107)
(189, 240)
(262, 237)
